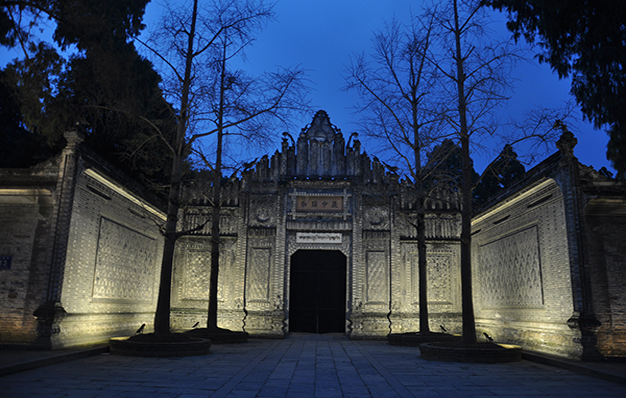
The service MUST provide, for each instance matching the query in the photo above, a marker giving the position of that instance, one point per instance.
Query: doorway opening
(317, 292)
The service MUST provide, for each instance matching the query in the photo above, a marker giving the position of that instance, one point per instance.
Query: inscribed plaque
(319, 204)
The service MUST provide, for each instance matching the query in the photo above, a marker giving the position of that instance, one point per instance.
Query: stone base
(457, 351)
(414, 339)
(123, 346)
(220, 336)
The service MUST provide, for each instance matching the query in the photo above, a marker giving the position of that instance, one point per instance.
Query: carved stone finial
(321, 129)
(567, 142)
(73, 138)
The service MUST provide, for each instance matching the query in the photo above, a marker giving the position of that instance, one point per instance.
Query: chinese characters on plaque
(319, 204)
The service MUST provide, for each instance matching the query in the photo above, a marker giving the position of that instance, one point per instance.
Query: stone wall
(605, 222)
(79, 252)
(25, 250)
(521, 271)
(113, 260)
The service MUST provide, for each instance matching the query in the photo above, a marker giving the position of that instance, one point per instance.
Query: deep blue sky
(321, 35)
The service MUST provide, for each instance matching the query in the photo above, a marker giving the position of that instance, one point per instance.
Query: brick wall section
(85, 253)
(605, 221)
(112, 264)
(26, 225)
(25, 237)
(522, 285)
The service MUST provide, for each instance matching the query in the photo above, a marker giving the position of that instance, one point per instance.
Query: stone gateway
(317, 238)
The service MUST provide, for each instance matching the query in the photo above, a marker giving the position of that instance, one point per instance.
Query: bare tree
(395, 85)
(475, 76)
(193, 49)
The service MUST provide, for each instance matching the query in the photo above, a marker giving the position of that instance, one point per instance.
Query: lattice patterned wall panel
(377, 277)
(510, 271)
(197, 271)
(259, 277)
(439, 276)
(124, 264)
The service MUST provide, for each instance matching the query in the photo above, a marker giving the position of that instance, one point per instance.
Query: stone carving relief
(263, 214)
(197, 270)
(510, 271)
(376, 218)
(263, 211)
(259, 276)
(196, 216)
(125, 268)
(438, 276)
(343, 245)
(376, 277)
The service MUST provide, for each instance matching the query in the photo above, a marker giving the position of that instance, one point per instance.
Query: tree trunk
(217, 198)
(215, 243)
(422, 264)
(162, 315)
(469, 326)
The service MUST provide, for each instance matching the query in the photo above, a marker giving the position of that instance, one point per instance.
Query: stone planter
(221, 336)
(457, 351)
(414, 339)
(123, 346)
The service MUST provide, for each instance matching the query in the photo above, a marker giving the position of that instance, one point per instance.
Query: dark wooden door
(317, 299)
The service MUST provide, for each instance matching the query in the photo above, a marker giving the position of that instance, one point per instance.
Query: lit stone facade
(318, 238)
(317, 195)
(82, 252)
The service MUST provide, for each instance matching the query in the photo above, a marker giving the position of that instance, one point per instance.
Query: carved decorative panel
(439, 286)
(343, 245)
(510, 270)
(263, 211)
(376, 217)
(259, 274)
(377, 279)
(316, 204)
(439, 277)
(125, 268)
(197, 274)
(197, 270)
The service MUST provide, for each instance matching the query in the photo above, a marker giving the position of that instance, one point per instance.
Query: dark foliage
(80, 22)
(444, 167)
(583, 39)
(107, 90)
(18, 146)
(500, 174)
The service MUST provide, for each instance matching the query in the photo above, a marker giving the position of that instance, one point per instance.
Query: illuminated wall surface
(318, 238)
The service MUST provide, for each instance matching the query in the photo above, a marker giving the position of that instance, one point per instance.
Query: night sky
(321, 35)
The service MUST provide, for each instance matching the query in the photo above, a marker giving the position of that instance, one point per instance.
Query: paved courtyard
(300, 366)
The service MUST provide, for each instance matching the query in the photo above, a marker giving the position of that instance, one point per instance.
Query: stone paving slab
(300, 366)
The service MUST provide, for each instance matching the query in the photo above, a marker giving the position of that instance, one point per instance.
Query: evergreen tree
(104, 89)
(500, 174)
(584, 40)
(444, 167)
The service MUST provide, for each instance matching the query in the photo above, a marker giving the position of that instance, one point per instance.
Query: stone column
(583, 319)
(51, 313)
